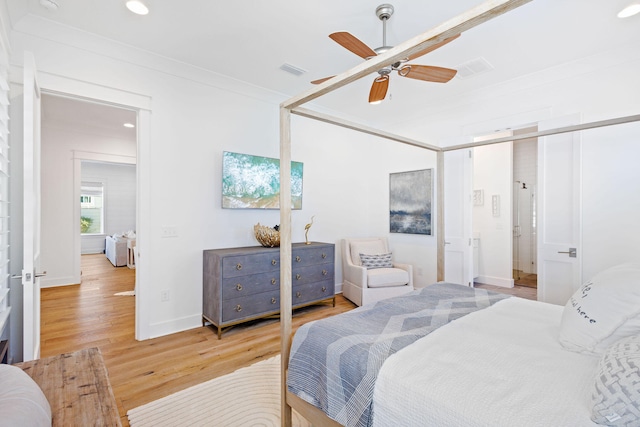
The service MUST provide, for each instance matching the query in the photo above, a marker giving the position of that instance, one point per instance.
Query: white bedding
(501, 366)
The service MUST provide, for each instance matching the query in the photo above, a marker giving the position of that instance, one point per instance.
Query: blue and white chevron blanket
(334, 362)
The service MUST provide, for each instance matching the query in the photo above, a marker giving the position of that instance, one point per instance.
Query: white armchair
(364, 285)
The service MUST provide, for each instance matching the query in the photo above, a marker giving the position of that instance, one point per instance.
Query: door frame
(141, 103)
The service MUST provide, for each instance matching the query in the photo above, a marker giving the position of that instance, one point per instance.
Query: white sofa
(116, 250)
(364, 286)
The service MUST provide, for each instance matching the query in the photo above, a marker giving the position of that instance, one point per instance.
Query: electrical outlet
(169, 231)
(164, 295)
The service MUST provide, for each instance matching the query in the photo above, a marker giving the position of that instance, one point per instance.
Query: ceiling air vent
(292, 69)
(473, 67)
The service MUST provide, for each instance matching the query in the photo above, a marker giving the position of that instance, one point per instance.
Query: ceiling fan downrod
(384, 12)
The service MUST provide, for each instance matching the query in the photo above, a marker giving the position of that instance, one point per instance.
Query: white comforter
(501, 366)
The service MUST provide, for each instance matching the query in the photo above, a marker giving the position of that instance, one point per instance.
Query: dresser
(242, 284)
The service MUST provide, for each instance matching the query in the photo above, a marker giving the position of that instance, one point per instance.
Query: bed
(611, 353)
(452, 355)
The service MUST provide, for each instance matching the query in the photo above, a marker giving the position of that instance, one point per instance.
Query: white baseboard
(495, 281)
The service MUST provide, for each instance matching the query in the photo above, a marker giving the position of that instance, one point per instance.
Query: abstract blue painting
(410, 197)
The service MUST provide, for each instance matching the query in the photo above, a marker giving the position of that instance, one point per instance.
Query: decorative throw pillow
(615, 395)
(602, 311)
(376, 261)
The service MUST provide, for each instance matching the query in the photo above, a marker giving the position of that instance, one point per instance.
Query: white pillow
(604, 310)
(615, 394)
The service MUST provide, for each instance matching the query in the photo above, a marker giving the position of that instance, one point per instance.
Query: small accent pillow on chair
(376, 261)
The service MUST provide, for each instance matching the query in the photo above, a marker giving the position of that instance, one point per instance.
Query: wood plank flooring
(90, 315)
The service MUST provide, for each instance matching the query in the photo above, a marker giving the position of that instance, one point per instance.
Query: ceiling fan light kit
(49, 4)
(381, 83)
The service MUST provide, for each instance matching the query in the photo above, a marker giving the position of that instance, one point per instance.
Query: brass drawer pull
(238, 266)
(324, 255)
(273, 300)
(324, 272)
(324, 289)
(238, 308)
(273, 281)
(274, 262)
(239, 287)
(298, 258)
(298, 277)
(298, 294)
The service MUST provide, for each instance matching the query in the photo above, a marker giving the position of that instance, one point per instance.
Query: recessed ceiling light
(136, 6)
(630, 10)
(129, 125)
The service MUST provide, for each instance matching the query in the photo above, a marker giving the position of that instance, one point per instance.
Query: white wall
(492, 173)
(119, 189)
(195, 116)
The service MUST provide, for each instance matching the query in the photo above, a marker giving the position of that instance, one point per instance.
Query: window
(92, 208)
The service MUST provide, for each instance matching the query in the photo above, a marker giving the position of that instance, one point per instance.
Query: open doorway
(81, 137)
(525, 176)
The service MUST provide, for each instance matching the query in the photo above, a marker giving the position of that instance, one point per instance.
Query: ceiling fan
(381, 82)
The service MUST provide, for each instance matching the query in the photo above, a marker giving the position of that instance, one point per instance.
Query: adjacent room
(188, 189)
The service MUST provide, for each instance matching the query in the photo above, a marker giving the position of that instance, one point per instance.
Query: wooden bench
(77, 388)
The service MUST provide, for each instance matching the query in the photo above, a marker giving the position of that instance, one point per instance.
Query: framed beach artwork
(253, 182)
(410, 199)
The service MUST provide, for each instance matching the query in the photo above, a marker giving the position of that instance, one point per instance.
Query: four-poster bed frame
(455, 26)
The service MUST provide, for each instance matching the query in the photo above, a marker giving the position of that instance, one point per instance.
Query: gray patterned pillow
(616, 393)
(376, 261)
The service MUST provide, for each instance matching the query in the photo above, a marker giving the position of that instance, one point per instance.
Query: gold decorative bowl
(267, 236)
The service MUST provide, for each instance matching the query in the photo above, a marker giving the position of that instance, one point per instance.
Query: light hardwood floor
(90, 315)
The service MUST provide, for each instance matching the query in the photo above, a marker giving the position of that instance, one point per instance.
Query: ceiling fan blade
(434, 47)
(379, 89)
(352, 43)
(427, 73)
(317, 82)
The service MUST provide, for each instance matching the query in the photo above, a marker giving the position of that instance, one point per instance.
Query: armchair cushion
(376, 261)
(371, 247)
(387, 277)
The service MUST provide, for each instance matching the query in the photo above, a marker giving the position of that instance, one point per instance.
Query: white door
(559, 207)
(31, 233)
(458, 249)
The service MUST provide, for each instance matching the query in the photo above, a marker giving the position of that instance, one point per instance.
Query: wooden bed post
(285, 258)
(440, 217)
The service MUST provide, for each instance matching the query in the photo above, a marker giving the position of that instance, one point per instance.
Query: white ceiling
(249, 40)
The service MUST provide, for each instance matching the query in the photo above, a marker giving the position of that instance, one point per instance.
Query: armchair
(364, 285)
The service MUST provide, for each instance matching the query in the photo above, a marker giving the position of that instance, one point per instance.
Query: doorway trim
(141, 103)
(78, 158)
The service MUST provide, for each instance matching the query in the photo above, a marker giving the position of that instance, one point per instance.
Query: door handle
(447, 243)
(44, 273)
(573, 253)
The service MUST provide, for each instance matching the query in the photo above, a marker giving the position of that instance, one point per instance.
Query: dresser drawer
(250, 306)
(312, 292)
(234, 287)
(242, 265)
(310, 274)
(311, 256)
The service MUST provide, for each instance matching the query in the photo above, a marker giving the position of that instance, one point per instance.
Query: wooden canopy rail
(476, 16)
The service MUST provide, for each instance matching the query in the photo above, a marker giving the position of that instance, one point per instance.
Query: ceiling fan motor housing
(384, 11)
